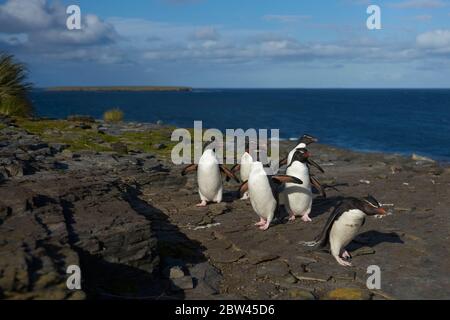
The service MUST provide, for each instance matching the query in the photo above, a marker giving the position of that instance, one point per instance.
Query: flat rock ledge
(129, 220)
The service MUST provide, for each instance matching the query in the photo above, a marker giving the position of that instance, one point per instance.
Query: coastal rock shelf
(129, 220)
(84, 209)
(50, 221)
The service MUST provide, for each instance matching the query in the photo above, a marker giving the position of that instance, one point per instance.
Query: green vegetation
(13, 88)
(16, 106)
(113, 115)
(79, 139)
(120, 88)
(146, 141)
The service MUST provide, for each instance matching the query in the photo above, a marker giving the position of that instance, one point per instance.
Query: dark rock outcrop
(60, 208)
(55, 221)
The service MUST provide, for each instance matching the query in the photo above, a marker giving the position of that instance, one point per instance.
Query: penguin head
(372, 207)
(307, 139)
(300, 154)
(207, 144)
(303, 155)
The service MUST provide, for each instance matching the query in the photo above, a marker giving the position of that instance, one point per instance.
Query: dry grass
(113, 115)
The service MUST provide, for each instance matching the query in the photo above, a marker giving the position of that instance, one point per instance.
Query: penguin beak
(315, 164)
(381, 211)
(312, 140)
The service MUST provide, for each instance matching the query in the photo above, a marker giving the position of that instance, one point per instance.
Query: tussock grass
(16, 106)
(13, 87)
(113, 115)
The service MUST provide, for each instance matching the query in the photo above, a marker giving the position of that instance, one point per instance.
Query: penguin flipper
(282, 178)
(315, 164)
(283, 162)
(318, 186)
(322, 239)
(228, 173)
(236, 168)
(190, 168)
(243, 188)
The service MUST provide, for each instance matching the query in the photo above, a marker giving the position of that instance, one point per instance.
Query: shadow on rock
(230, 196)
(372, 238)
(176, 251)
(321, 206)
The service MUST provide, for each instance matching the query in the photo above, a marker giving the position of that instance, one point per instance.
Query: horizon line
(243, 88)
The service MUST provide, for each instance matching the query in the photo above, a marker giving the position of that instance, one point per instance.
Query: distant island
(120, 88)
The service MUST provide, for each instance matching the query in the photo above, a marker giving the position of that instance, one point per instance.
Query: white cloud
(419, 4)
(436, 39)
(285, 18)
(423, 17)
(40, 26)
(151, 45)
(25, 15)
(183, 1)
(206, 33)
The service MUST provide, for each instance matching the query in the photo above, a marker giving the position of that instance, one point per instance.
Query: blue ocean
(401, 121)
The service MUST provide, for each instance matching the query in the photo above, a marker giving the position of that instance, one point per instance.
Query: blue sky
(246, 43)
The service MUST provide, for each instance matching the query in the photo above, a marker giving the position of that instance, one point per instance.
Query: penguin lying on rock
(344, 224)
(209, 177)
(264, 192)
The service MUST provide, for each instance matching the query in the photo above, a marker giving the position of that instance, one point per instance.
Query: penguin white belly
(261, 196)
(298, 197)
(209, 181)
(246, 166)
(345, 229)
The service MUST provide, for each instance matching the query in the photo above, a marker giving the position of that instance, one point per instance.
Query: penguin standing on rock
(344, 224)
(209, 177)
(264, 192)
(297, 199)
(244, 167)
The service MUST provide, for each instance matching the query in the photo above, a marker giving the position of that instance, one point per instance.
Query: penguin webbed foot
(202, 204)
(265, 226)
(245, 196)
(343, 262)
(306, 218)
(291, 216)
(260, 223)
(346, 255)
